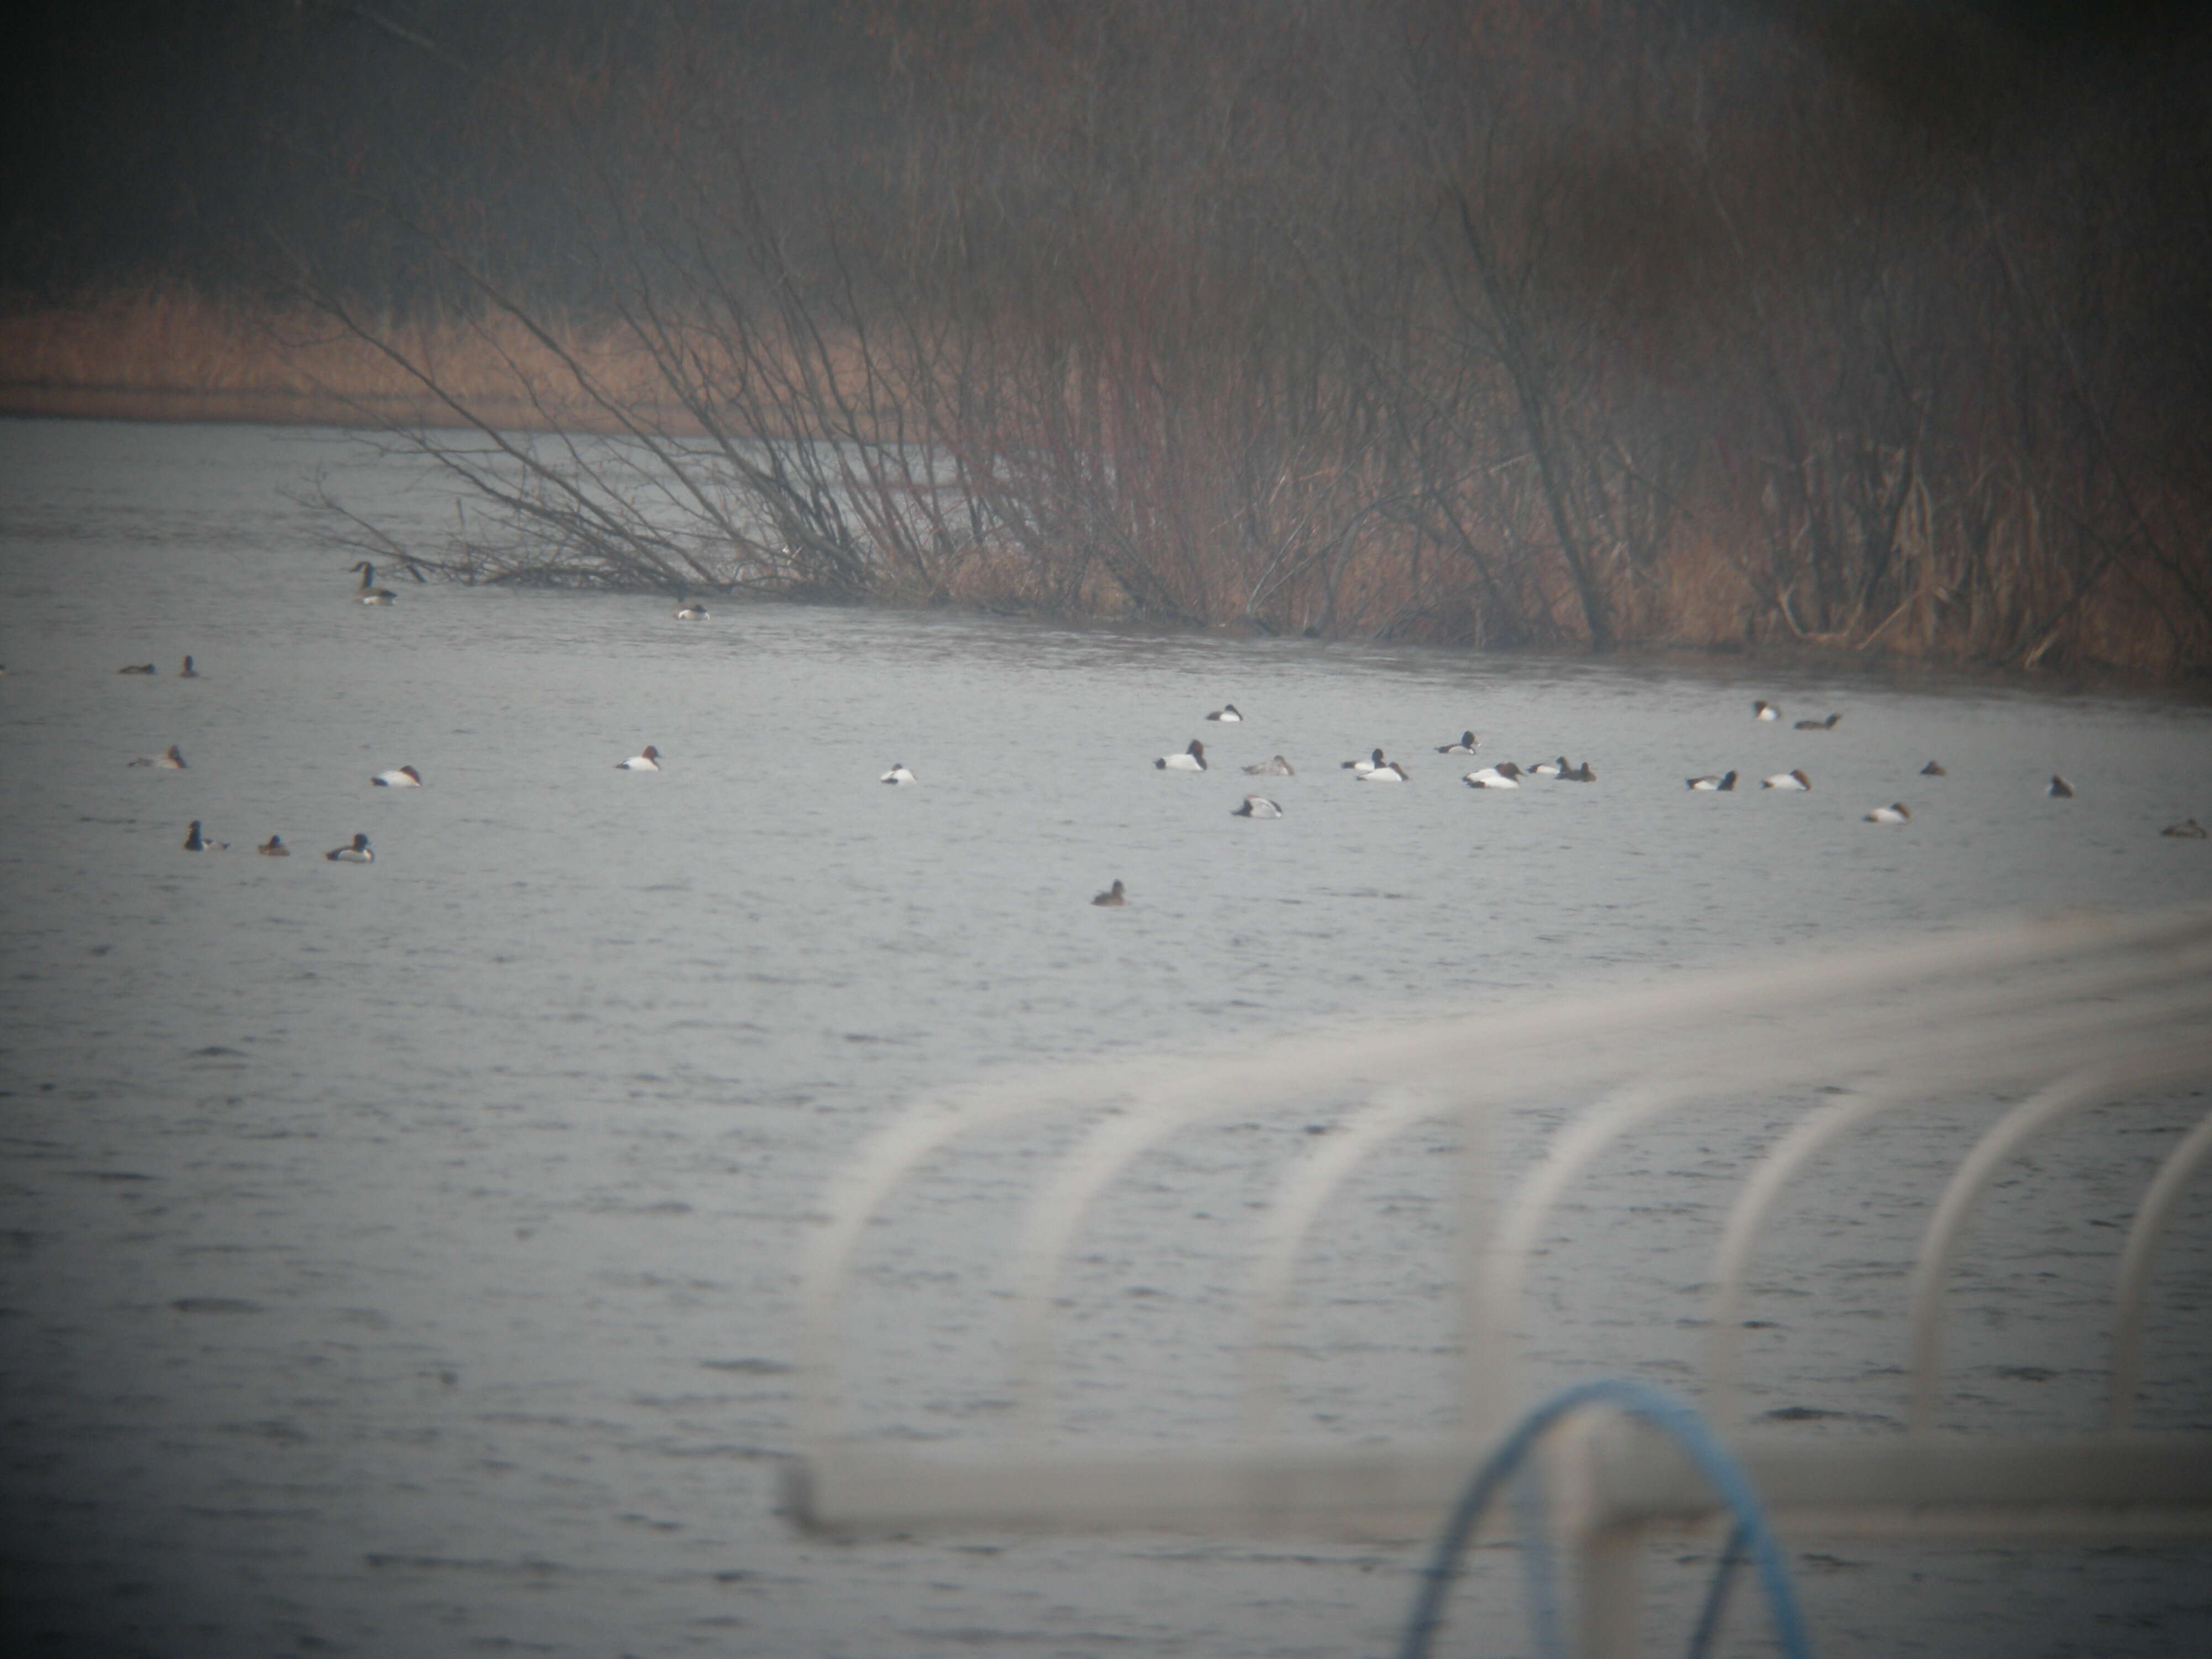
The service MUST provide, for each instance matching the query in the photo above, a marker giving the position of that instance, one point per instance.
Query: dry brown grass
(173, 351)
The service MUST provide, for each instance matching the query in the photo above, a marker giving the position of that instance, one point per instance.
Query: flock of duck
(1373, 767)
(1376, 768)
(357, 851)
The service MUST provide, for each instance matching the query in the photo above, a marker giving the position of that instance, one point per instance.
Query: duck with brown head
(1191, 759)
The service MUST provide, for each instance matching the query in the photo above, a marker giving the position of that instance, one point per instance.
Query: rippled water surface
(398, 1260)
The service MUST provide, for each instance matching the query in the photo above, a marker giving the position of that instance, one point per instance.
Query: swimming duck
(188, 673)
(1505, 775)
(1191, 759)
(172, 761)
(1466, 745)
(2187, 830)
(138, 668)
(1827, 725)
(1724, 783)
(1361, 766)
(1277, 768)
(1763, 710)
(405, 778)
(1389, 772)
(1578, 775)
(356, 853)
(196, 842)
(1257, 806)
(368, 593)
(1550, 769)
(1895, 812)
(1113, 894)
(1227, 711)
(898, 773)
(693, 611)
(1934, 769)
(2060, 788)
(647, 761)
(1786, 781)
(274, 847)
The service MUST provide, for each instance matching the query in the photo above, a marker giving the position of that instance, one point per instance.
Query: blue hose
(1662, 1410)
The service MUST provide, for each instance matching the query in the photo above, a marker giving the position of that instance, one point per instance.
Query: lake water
(399, 1259)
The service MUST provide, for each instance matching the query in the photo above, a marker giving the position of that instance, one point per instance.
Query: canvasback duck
(368, 593)
(1578, 775)
(1827, 725)
(188, 673)
(1896, 812)
(274, 847)
(138, 668)
(1786, 781)
(1389, 772)
(1362, 767)
(898, 773)
(172, 761)
(196, 842)
(1725, 782)
(405, 778)
(1191, 759)
(1763, 710)
(2060, 788)
(1550, 769)
(1277, 768)
(1257, 806)
(1506, 776)
(646, 760)
(2187, 830)
(358, 852)
(1466, 745)
(1934, 769)
(1227, 711)
(1114, 894)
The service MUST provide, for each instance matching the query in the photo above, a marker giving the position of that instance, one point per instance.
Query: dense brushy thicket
(1501, 323)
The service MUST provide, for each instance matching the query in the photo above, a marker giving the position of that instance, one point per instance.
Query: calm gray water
(399, 1259)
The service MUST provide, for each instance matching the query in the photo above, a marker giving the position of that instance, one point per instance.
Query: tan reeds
(172, 351)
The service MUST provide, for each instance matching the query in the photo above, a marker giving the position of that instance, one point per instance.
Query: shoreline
(369, 412)
(291, 406)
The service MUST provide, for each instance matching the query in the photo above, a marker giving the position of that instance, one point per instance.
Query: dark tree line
(1876, 328)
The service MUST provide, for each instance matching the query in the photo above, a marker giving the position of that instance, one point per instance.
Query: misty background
(1871, 329)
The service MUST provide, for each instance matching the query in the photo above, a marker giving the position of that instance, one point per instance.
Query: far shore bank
(294, 406)
(176, 355)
